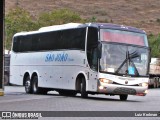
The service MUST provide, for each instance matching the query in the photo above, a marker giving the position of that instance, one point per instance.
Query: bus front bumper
(113, 89)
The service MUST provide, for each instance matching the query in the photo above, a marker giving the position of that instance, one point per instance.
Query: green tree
(154, 42)
(57, 17)
(17, 20)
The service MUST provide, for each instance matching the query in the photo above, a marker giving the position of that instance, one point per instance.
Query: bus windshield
(120, 36)
(122, 59)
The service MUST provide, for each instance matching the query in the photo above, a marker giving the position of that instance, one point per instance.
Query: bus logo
(126, 82)
(61, 57)
(6, 115)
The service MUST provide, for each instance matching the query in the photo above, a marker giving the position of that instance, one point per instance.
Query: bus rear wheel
(36, 89)
(35, 85)
(28, 87)
(6, 79)
(123, 97)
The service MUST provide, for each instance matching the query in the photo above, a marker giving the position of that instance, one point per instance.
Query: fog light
(101, 87)
(143, 84)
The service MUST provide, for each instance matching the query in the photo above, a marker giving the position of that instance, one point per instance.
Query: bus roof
(79, 25)
(116, 27)
(98, 25)
(61, 27)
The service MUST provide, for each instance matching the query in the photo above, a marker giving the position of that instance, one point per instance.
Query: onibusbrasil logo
(21, 115)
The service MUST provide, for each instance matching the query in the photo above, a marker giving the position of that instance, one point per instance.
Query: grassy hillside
(143, 14)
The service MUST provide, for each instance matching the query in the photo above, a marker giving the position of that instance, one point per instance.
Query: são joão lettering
(56, 57)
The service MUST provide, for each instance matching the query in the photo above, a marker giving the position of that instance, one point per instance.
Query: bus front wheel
(123, 97)
(84, 94)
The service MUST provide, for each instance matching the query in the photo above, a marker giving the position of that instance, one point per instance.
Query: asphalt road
(15, 99)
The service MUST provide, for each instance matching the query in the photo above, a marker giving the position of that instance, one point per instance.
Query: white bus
(91, 58)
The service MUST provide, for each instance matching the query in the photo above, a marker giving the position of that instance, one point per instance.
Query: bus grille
(125, 84)
(122, 90)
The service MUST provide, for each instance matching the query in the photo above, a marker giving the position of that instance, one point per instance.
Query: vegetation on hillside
(18, 20)
(154, 42)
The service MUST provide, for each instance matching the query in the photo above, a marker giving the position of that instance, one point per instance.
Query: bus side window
(16, 42)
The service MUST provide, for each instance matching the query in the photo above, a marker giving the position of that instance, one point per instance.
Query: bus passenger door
(92, 57)
(92, 81)
(92, 74)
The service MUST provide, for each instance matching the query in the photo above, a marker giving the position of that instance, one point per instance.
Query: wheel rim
(27, 85)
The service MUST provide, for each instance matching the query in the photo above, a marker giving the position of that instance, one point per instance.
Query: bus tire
(84, 94)
(36, 89)
(35, 85)
(28, 87)
(123, 97)
(6, 79)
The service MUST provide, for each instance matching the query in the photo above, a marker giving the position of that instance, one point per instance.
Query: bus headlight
(104, 80)
(143, 84)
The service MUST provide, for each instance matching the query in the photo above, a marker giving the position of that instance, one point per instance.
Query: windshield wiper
(128, 59)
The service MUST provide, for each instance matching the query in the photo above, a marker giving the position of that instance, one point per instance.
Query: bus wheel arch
(35, 88)
(81, 85)
(24, 77)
